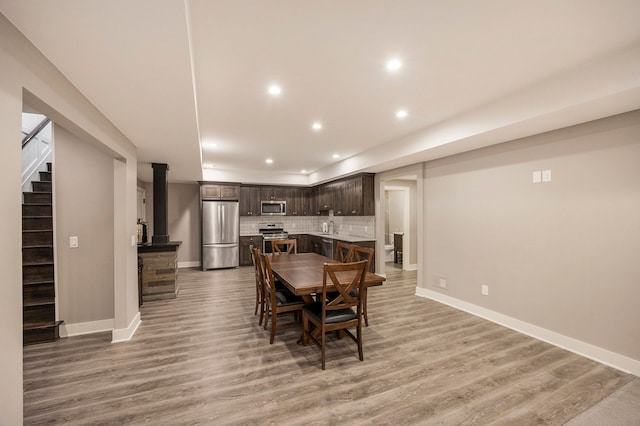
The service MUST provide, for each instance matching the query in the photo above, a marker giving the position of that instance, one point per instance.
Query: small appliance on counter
(325, 227)
(143, 232)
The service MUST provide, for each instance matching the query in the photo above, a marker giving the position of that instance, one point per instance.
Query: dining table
(303, 273)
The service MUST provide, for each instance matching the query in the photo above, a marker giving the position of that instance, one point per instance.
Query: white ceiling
(173, 75)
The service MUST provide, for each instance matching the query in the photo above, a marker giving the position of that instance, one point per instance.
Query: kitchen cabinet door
(228, 192)
(246, 243)
(249, 201)
(272, 193)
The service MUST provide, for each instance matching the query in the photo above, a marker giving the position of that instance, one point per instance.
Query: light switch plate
(546, 175)
(73, 242)
(537, 176)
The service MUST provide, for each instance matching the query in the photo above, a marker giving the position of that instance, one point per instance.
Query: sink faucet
(331, 227)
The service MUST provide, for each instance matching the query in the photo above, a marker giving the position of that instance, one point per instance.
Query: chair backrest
(284, 246)
(257, 266)
(345, 283)
(267, 275)
(342, 251)
(358, 253)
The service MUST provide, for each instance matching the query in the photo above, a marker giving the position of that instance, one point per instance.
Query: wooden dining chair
(257, 265)
(335, 310)
(284, 246)
(342, 251)
(278, 301)
(358, 253)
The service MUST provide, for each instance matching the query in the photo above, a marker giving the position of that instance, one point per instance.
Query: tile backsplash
(357, 226)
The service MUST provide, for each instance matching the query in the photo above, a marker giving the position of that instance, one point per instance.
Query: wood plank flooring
(202, 359)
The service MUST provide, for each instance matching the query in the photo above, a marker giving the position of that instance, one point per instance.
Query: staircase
(38, 282)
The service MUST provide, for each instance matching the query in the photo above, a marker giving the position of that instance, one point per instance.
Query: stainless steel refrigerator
(220, 234)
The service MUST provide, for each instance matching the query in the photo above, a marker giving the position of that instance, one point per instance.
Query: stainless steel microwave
(273, 208)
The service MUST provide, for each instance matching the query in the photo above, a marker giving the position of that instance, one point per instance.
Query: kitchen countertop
(341, 237)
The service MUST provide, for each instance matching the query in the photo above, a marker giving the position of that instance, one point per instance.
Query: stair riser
(38, 293)
(36, 273)
(50, 167)
(37, 255)
(41, 335)
(38, 314)
(37, 210)
(37, 223)
(41, 186)
(38, 238)
(38, 197)
(46, 176)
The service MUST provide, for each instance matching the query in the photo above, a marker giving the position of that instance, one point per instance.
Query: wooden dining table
(303, 273)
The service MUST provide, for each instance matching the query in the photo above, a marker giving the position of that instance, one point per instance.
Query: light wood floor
(202, 359)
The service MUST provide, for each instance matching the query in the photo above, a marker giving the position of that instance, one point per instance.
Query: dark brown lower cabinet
(246, 243)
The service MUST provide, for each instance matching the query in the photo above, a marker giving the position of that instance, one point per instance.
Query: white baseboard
(189, 264)
(410, 267)
(612, 359)
(90, 327)
(125, 334)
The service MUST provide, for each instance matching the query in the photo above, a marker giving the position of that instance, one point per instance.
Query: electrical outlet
(546, 175)
(485, 290)
(442, 283)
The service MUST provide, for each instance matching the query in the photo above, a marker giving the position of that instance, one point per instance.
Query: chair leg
(324, 339)
(267, 312)
(257, 301)
(274, 317)
(364, 307)
(360, 341)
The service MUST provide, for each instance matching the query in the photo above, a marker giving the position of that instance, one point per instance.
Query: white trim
(410, 267)
(90, 327)
(189, 264)
(125, 334)
(579, 347)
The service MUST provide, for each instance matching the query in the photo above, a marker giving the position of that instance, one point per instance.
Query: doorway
(399, 214)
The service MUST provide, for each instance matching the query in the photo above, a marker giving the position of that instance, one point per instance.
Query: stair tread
(36, 325)
(38, 246)
(36, 263)
(39, 282)
(37, 217)
(38, 302)
(37, 230)
(37, 204)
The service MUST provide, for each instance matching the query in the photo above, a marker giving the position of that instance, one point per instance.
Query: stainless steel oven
(270, 232)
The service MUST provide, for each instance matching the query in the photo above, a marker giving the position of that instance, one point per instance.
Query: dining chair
(257, 265)
(278, 301)
(335, 310)
(358, 253)
(342, 251)
(284, 246)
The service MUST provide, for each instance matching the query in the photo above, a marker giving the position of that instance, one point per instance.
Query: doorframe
(406, 222)
(416, 170)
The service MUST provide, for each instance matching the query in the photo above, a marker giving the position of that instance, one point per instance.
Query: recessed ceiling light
(303, 171)
(336, 155)
(394, 64)
(275, 90)
(402, 113)
(268, 161)
(316, 126)
(210, 145)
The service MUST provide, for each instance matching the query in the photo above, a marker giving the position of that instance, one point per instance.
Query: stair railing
(32, 134)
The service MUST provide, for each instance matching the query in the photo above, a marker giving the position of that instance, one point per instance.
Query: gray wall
(183, 218)
(562, 255)
(83, 178)
(28, 77)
